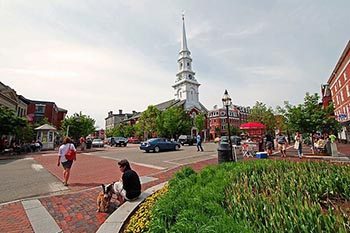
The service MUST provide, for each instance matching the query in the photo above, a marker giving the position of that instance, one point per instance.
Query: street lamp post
(226, 100)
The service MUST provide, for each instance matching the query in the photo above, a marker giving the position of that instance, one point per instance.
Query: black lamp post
(226, 101)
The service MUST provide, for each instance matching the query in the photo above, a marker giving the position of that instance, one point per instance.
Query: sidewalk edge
(115, 221)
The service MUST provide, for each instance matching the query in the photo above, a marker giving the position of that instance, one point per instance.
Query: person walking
(199, 142)
(82, 143)
(66, 164)
(282, 143)
(298, 144)
(129, 187)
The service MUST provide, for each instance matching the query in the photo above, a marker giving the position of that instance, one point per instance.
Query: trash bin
(88, 144)
(224, 153)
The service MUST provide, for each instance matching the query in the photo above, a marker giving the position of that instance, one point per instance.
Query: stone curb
(115, 221)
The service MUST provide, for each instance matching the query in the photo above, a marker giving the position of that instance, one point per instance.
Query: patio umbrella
(252, 125)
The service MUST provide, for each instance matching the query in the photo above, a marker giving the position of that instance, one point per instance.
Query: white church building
(186, 87)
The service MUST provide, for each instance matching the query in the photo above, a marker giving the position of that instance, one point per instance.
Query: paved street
(73, 209)
(39, 175)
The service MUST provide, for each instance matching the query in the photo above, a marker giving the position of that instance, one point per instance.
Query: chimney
(110, 113)
(120, 111)
(133, 112)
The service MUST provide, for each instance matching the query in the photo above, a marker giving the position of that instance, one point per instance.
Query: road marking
(57, 186)
(37, 167)
(146, 179)
(149, 165)
(29, 158)
(40, 218)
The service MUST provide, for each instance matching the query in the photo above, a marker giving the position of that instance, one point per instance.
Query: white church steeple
(186, 85)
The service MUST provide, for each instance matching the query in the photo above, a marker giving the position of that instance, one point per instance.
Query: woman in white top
(66, 164)
(298, 144)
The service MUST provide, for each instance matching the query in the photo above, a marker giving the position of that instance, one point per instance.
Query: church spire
(183, 41)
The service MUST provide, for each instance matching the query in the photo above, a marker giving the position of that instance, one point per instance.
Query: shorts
(67, 164)
(118, 189)
(281, 146)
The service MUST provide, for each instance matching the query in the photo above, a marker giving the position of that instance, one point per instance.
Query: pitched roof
(45, 127)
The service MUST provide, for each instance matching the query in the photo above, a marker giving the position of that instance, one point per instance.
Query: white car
(97, 143)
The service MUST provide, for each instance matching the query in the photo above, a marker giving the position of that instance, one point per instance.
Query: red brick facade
(339, 85)
(38, 110)
(217, 120)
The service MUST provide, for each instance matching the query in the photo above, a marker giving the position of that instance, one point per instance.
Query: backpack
(71, 154)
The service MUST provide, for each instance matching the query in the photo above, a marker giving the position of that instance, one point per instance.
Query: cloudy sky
(96, 56)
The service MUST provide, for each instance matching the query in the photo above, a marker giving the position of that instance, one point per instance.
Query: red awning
(252, 125)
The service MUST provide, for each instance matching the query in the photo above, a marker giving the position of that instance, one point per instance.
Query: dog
(104, 198)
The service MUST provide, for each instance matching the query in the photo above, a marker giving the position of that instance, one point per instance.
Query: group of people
(129, 186)
(318, 143)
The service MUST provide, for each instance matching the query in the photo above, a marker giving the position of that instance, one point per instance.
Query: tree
(261, 113)
(10, 123)
(80, 125)
(199, 122)
(310, 116)
(148, 121)
(174, 121)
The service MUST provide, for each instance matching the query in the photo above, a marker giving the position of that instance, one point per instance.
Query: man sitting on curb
(129, 188)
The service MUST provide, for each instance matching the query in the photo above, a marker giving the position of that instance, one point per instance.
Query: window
(188, 64)
(345, 77)
(335, 87)
(347, 91)
(190, 76)
(339, 83)
(341, 95)
(40, 108)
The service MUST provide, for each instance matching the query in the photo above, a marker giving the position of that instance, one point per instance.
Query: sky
(96, 56)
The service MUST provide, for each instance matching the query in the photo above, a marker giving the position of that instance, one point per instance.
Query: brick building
(339, 86)
(218, 120)
(112, 120)
(38, 110)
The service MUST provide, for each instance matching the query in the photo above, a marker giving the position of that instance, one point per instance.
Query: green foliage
(310, 116)
(255, 196)
(80, 125)
(199, 122)
(121, 131)
(174, 121)
(235, 131)
(148, 121)
(10, 123)
(261, 113)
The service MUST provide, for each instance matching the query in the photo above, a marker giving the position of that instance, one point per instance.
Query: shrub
(256, 196)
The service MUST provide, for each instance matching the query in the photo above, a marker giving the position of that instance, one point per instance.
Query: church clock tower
(186, 85)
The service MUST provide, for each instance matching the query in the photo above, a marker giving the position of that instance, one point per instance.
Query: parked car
(133, 140)
(97, 143)
(118, 141)
(236, 140)
(159, 144)
(187, 139)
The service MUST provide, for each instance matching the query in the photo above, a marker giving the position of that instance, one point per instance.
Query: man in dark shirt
(130, 187)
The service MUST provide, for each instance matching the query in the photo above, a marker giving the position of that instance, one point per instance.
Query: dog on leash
(104, 198)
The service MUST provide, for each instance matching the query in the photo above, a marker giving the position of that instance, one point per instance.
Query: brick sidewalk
(76, 211)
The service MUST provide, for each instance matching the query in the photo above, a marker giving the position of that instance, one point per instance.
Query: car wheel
(156, 149)
(147, 151)
(177, 147)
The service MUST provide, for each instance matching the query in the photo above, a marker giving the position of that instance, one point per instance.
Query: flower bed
(254, 196)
